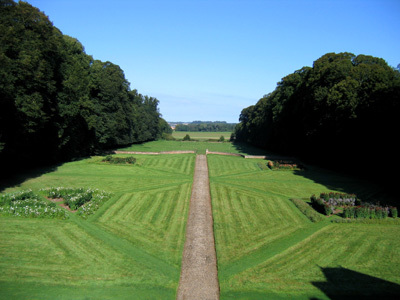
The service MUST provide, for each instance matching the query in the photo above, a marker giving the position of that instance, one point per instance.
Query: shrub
(372, 213)
(108, 158)
(186, 138)
(393, 212)
(362, 212)
(307, 210)
(119, 160)
(167, 137)
(320, 206)
(349, 212)
(221, 139)
(328, 210)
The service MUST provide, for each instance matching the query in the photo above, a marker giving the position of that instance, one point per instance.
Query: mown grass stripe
(135, 253)
(268, 251)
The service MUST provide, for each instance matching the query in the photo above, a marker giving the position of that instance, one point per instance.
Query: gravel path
(199, 279)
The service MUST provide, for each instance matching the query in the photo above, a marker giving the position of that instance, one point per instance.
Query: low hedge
(119, 160)
(307, 210)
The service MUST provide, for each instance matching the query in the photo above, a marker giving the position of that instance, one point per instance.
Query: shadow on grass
(13, 177)
(249, 149)
(342, 283)
(16, 178)
(366, 190)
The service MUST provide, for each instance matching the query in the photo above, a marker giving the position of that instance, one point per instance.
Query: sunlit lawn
(267, 249)
(132, 247)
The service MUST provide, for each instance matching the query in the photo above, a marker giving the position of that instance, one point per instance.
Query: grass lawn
(267, 249)
(199, 135)
(198, 146)
(130, 249)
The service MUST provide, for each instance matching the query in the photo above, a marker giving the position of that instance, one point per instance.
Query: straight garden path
(199, 279)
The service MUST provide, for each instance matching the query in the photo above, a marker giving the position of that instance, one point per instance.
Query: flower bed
(28, 204)
(284, 165)
(349, 206)
(84, 201)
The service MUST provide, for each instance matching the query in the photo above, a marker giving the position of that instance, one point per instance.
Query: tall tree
(56, 102)
(341, 111)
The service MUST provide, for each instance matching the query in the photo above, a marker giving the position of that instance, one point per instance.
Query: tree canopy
(342, 111)
(216, 126)
(56, 101)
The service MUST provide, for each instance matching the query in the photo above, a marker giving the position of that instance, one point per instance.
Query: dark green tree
(30, 62)
(341, 112)
(56, 102)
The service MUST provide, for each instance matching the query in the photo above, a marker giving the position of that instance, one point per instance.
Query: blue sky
(209, 59)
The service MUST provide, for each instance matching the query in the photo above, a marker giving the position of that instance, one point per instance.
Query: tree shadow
(248, 149)
(365, 189)
(14, 178)
(342, 283)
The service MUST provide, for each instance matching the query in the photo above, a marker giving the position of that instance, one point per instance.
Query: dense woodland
(217, 126)
(342, 112)
(56, 101)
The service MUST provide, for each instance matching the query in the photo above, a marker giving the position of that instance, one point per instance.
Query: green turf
(198, 146)
(267, 249)
(130, 249)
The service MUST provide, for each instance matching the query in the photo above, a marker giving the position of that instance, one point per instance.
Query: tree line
(342, 112)
(218, 126)
(56, 101)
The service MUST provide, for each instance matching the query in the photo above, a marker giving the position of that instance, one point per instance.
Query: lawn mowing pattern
(373, 252)
(60, 252)
(151, 218)
(267, 249)
(131, 246)
(200, 147)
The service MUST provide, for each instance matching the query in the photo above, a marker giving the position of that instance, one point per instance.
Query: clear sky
(208, 59)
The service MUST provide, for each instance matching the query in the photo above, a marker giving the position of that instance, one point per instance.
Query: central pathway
(199, 279)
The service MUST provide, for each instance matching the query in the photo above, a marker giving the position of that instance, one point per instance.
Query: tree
(30, 62)
(57, 102)
(342, 111)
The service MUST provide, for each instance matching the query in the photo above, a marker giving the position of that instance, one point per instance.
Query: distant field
(198, 135)
(131, 248)
(267, 249)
